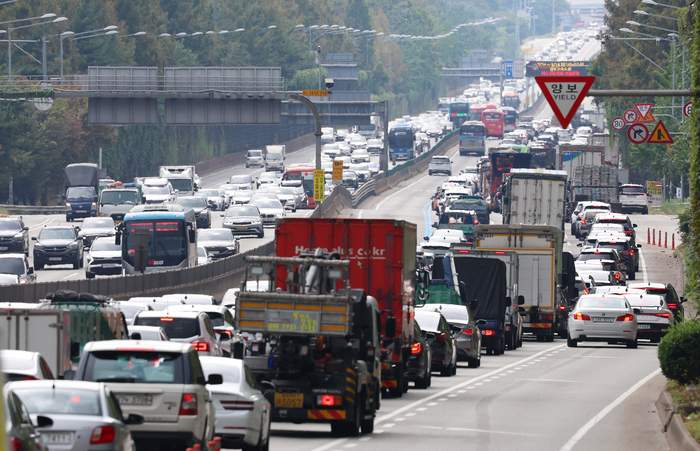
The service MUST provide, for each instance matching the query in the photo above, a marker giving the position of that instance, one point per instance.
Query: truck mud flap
(538, 328)
(307, 415)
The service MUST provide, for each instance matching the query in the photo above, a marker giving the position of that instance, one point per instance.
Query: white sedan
(242, 412)
(602, 318)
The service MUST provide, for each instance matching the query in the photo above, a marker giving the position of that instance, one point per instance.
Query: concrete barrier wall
(213, 279)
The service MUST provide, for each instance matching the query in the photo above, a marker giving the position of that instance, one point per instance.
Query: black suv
(58, 245)
(200, 207)
(420, 362)
(14, 236)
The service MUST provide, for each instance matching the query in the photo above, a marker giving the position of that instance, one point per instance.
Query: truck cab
(81, 182)
(116, 200)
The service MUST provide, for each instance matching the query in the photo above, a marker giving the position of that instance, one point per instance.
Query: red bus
(305, 173)
(493, 120)
(475, 112)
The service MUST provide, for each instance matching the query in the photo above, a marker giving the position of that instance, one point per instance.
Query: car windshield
(594, 302)
(634, 300)
(208, 192)
(255, 153)
(359, 167)
(632, 190)
(57, 234)
(133, 365)
(458, 313)
(130, 309)
(80, 192)
(427, 320)
(155, 190)
(174, 327)
(240, 179)
(181, 184)
(105, 244)
(242, 211)
(274, 156)
(98, 223)
(10, 225)
(268, 203)
(214, 235)
(243, 194)
(59, 400)
(192, 202)
(119, 197)
(217, 319)
(268, 176)
(595, 256)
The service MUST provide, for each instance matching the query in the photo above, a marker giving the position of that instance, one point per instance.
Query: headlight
(73, 246)
(67, 206)
(94, 205)
(231, 248)
(19, 236)
(280, 215)
(38, 246)
(255, 221)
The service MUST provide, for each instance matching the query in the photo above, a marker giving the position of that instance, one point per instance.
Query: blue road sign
(509, 69)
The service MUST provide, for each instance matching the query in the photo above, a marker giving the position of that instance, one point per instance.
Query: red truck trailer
(382, 256)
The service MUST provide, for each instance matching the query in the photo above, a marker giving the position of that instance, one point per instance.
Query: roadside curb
(677, 435)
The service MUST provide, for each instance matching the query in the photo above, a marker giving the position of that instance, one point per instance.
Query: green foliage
(678, 356)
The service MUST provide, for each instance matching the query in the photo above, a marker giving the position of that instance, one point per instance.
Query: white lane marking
(569, 381)
(452, 396)
(462, 391)
(376, 207)
(351, 445)
(389, 425)
(410, 414)
(69, 276)
(432, 404)
(569, 445)
(421, 409)
(643, 263)
(442, 399)
(480, 430)
(460, 386)
(399, 419)
(365, 439)
(41, 224)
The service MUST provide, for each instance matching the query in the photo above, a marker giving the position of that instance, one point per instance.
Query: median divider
(214, 279)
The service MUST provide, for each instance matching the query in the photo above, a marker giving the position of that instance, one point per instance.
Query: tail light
(561, 307)
(547, 317)
(103, 434)
(582, 316)
(329, 400)
(617, 276)
(627, 317)
(188, 406)
(663, 315)
(441, 338)
(468, 331)
(30, 378)
(631, 251)
(583, 222)
(415, 349)
(15, 444)
(200, 345)
(673, 305)
(585, 290)
(225, 332)
(238, 405)
(488, 333)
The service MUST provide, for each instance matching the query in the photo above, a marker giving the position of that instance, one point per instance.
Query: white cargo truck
(47, 332)
(539, 249)
(274, 158)
(569, 157)
(180, 177)
(535, 196)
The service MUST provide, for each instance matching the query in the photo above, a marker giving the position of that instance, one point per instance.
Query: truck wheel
(502, 345)
(367, 426)
(631, 275)
(76, 265)
(570, 342)
(549, 338)
(645, 211)
(489, 351)
(509, 341)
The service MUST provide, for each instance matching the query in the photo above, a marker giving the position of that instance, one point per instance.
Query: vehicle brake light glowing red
(663, 315)
(500, 252)
(582, 316)
(489, 333)
(673, 305)
(166, 319)
(625, 318)
(415, 349)
(468, 331)
(103, 434)
(463, 252)
(188, 405)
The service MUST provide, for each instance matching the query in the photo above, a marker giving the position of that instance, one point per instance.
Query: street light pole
(9, 39)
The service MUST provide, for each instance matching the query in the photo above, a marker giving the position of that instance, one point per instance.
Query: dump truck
(539, 249)
(323, 364)
(382, 253)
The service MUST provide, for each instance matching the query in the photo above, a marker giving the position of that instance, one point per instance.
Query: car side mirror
(25, 228)
(30, 270)
(634, 225)
(43, 422)
(192, 235)
(136, 336)
(636, 311)
(74, 349)
(639, 245)
(215, 379)
(134, 418)
(435, 224)
(34, 238)
(579, 245)
(473, 305)
(390, 327)
(521, 300)
(576, 212)
(521, 310)
(224, 337)
(683, 299)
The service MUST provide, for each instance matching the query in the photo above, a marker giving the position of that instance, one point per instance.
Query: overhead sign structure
(644, 110)
(337, 170)
(638, 133)
(319, 185)
(565, 95)
(314, 92)
(630, 116)
(660, 135)
(556, 68)
(618, 123)
(687, 108)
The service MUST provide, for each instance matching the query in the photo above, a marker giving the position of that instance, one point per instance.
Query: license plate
(471, 145)
(55, 259)
(242, 228)
(139, 400)
(644, 326)
(3, 248)
(111, 265)
(81, 211)
(118, 221)
(289, 400)
(56, 438)
(600, 319)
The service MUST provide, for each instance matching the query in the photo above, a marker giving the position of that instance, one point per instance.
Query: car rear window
(595, 256)
(60, 400)
(174, 327)
(427, 322)
(602, 303)
(135, 366)
(632, 190)
(9, 364)
(619, 246)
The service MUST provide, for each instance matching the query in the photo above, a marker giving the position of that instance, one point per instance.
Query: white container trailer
(536, 197)
(571, 156)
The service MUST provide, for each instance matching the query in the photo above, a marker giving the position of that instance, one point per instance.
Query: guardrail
(35, 208)
(214, 279)
(362, 193)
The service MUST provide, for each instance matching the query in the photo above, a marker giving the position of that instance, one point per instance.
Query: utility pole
(318, 61)
(43, 59)
(554, 19)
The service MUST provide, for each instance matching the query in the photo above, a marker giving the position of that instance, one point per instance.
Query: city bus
(172, 237)
(459, 112)
(511, 118)
(472, 138)
(511, 99)
(305, 173)
(502, 161)
(493, 120)
(402, 142)
(475, 112)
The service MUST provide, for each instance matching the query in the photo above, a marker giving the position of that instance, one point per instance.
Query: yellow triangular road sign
(660, 135)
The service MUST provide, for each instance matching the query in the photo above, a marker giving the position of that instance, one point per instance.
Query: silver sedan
(84, 414)
(603, 318)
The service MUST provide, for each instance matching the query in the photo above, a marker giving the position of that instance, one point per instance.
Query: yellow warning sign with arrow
(660, 135)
